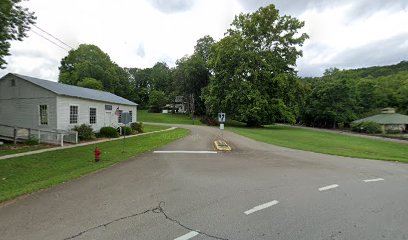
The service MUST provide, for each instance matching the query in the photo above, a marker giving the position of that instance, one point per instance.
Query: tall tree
(91, 83)
(191, 76)
(15, 21)
(89, 61)
(160, 76)
(141, 82)
(203, 47)
(331, 102)
(253, 68)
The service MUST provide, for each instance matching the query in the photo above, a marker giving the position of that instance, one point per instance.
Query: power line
(49, 40)
(49, 34)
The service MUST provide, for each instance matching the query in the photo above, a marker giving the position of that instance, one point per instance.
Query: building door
(108, 120)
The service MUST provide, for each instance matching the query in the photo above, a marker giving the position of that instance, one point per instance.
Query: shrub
(85, 132)
(32, 141)
(127, 130)
(209, 121)
(154, 109)
(137, 127)
(393, 131)
(108, 132)
(366, 127)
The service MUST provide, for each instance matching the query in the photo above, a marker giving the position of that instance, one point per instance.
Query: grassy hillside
(144, 116)
(328, 143)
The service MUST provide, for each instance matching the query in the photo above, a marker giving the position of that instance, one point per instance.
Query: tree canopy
(91, 83)
(341, 96)
(89, 61)
(15, 21)
(253, 68)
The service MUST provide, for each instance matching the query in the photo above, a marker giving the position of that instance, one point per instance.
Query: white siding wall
(103, 117)
(19, 104)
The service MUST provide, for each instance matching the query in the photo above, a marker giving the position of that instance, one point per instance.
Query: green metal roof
(386, 118)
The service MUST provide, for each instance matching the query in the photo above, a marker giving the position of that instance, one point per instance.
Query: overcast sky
(139, 33)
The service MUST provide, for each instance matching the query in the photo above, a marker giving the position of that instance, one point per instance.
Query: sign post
(221, 120)
(125, 119)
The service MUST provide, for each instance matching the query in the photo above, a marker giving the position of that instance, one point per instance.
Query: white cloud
(140, 33)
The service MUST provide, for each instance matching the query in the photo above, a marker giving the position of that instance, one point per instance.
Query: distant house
(179, 106)
(29, 102)
(388, 119)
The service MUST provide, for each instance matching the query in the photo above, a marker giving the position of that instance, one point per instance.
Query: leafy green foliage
(137, 127)
(366, 127)
(160, 77)
(85, 132)
(331, 101)
(15, 21)
(157, 101)
(191, 76)
(203, 47)
(127, 130)
(254, 79)
(341, 96)
(91, 83)
(32, 141)
(89, 61)
(145, 81)
(140, 81)
(108, 132)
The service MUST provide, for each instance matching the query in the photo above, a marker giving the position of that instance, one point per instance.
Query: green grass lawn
(329, 143)
(9, 148)
(152, 128)
(27, 174)
(144, 116)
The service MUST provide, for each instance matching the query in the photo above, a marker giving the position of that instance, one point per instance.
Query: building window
(43, 115)
(92, 115)
(120, 116)
(108, 107)
(13, 82)
(73, 114)
(131, 116)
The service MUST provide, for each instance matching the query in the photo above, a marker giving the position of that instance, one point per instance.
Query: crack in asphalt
(108, 223)
(158, 210)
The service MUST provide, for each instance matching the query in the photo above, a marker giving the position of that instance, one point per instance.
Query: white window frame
(69, 114)
(96, 115)
(131, 115)
(39, 115)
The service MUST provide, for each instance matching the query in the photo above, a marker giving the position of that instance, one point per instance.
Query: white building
(28, 102)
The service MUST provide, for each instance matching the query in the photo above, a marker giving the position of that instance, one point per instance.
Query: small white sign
(222, 126)
(221, 117)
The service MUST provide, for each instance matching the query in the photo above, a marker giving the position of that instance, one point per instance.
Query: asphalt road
(257, 191)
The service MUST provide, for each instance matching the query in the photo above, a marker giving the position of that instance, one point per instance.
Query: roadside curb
(79, 145)
(222, 145)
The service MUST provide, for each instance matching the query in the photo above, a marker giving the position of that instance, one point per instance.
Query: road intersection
(185, 190)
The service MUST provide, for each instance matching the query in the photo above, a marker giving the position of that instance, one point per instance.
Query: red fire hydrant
(97, 154)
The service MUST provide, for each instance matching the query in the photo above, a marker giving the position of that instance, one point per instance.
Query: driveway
(257, 191)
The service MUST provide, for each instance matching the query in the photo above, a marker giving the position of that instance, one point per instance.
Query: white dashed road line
(260, 207)
(374, 180)
(328, 187)
(184, 152)
(187, 236)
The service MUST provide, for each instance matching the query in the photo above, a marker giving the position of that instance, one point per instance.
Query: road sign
(222, 126)
(221, 117)
(125, 118)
